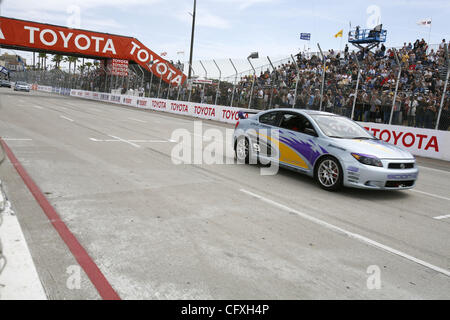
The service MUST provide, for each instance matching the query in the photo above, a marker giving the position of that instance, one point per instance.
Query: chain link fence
(372, 87)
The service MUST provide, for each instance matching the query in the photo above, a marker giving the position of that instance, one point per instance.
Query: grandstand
(421, 83)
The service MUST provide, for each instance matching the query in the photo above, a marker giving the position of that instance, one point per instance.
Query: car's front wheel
(242, 150)
(329, 174)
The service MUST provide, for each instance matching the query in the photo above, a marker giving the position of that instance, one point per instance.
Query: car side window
(297, 122)
(270, 118)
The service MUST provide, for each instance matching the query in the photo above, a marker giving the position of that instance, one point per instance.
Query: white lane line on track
(430, 194)
(38, 107)
(433, 169)
(14, 139)
(135, 141)
(442, 217)
(137, 120)
(350, 234)
(68, 119)
(126, 141)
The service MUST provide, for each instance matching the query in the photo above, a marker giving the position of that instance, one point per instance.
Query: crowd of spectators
(417, 102)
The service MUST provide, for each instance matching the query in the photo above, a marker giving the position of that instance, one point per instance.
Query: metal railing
(374, 88)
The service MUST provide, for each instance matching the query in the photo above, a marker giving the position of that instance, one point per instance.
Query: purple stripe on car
(308, 149)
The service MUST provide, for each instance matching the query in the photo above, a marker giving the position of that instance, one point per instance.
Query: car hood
(377, 148)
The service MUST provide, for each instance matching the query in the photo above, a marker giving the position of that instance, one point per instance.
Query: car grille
(399, 184)
(409, 165)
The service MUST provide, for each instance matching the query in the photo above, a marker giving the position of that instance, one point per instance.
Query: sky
(235, 28)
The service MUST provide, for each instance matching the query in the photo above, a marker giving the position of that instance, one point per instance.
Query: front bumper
(22, 89)
(380, 178)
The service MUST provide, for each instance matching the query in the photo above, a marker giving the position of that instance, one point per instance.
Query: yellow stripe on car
(287, 154)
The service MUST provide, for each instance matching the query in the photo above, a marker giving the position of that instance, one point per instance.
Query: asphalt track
(157, 230)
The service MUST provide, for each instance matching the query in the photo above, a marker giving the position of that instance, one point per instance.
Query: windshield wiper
(363, 138)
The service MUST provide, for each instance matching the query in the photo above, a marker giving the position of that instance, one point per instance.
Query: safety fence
(398, 87)
(419, 141)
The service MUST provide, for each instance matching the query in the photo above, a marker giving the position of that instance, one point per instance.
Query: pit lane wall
(421, 142)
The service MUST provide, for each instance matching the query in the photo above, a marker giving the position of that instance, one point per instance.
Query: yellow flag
(339, 34)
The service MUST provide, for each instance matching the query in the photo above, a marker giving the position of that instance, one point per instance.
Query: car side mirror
(311, 132)
(241, 115)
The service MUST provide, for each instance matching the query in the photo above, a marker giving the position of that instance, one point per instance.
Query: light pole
(253, 55)
(204, 84)
(445, 86)
(192, 39)
(296, 79)
(396, 84)
(218, 84)
(234, 84)
(323, 78)
(357, 86)
(151, 79)
(190, 83)
(271, 82)
(159, 87)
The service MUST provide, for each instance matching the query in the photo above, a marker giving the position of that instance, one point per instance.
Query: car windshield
(22, 83)
(341, 127)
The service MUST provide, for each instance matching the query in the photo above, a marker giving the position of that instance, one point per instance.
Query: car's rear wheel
(242, 150)
(329, 174)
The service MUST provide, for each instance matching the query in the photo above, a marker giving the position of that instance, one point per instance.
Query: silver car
(335, 150)
(21, 86)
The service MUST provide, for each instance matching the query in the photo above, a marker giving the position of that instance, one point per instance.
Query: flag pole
(429, 32)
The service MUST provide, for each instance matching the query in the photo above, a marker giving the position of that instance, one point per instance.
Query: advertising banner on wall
(117, 67)
(420, 142)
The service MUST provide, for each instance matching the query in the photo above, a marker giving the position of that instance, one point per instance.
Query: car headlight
(367, 159)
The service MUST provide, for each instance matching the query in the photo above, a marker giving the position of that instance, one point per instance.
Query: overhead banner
(28, 35)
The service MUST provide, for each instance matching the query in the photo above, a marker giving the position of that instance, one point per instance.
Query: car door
(298, 141)
(261, 136)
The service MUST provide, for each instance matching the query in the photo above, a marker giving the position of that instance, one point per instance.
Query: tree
(43, 58)
(88, 65)
(69, 60)
(57, 58)
(75, 60)
(81, 68)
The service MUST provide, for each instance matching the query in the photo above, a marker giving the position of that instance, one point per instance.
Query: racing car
(334, 150)
(21, 86)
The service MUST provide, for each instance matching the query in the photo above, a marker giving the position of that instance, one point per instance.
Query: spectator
(430, 113)
(420, 112)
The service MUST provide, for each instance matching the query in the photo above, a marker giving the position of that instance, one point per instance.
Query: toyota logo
(402, 166)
